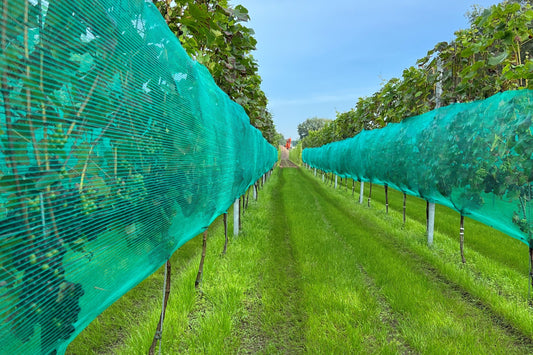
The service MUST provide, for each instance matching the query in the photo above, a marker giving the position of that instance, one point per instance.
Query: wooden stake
(353, 187)
(404, 206)
(159, 330)
(225, 233)
(369, 194)
(200, 274)
(361, 192)
(462, 238)
(387, 198)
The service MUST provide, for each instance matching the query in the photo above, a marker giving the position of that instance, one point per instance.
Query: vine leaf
(498, 59)
(47, 180)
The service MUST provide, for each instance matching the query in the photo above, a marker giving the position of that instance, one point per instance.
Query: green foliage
(493, 55)
(109, 134)
(213, 34)
(279, 139)
(311, 124)
(474, 157)
(295, 154)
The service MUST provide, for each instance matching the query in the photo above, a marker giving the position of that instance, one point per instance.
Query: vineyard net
(476, 158)
(116, 149)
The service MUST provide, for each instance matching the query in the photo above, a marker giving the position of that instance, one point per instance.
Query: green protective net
(116, 149)
(476, 158)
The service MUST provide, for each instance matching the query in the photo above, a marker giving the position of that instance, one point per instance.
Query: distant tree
(311, 124)
(279, 139)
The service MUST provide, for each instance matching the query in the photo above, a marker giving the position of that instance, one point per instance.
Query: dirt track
(285, 162)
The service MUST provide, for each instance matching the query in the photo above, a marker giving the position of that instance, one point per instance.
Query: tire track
(276, 320)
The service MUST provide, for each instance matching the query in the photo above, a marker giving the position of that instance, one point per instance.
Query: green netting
(476, 158)
(116, 149)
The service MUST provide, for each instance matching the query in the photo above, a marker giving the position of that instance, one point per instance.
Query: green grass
(315, 272)
(430, 277)
(295, 154)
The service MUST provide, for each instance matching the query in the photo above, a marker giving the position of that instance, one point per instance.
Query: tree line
(491, 56)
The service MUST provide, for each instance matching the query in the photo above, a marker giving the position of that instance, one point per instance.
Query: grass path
(431, 313)
(315, 272)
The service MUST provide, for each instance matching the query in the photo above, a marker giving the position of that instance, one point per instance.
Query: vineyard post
(431, 205)
(353, 187)
(255, 191)
(462, 238)
(438, 84)
(322, 177)
(336, 180)
(431, 223)
(361, 192)
(236, 217)
(315, 171)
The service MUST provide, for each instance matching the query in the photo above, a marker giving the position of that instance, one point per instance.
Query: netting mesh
(476, 158)
(116, 149)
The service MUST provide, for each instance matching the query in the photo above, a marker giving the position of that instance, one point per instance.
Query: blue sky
(319, 57)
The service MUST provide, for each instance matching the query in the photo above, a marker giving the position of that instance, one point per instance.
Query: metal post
(431, 223)
(236, 217)
(361, 192)
(335, 181)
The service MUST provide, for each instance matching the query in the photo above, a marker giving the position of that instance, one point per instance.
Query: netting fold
(116, 149)
(476, 158)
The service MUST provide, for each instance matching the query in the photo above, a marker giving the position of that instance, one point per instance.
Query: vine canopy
(476, 158)
(115, 149)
